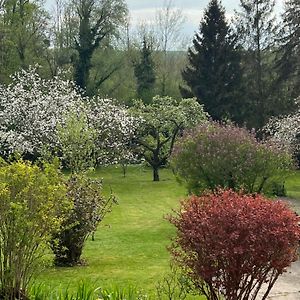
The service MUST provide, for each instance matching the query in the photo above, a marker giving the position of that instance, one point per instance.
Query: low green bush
(32, 205)
(89, 208)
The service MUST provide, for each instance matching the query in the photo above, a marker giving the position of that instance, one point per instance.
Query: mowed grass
(130, 246)
(292, 185)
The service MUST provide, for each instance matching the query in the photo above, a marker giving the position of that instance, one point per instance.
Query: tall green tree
(98, 21)
(145, 74)
(289, 54)
(213, 74)
(23, 32)
(258, 33)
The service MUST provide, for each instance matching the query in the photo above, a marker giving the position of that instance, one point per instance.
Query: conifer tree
(289, 61)
(145, 74)
(258, 33)
(213, 74)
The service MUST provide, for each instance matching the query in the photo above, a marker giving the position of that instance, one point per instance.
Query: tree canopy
(162, 121)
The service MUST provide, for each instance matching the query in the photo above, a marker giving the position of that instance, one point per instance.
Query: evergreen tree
(214, 75)
(258, 34)
(289, 61)
(145, 74)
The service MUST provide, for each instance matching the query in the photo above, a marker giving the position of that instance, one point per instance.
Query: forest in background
(245, 69)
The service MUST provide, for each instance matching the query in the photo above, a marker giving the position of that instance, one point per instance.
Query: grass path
(130, 244)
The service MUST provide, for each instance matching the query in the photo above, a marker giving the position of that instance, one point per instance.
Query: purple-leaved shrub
(224, 155)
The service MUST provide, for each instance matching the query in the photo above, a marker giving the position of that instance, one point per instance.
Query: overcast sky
(144, 10)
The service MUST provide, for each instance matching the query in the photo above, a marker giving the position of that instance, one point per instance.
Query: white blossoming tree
(285, 131)
(30, 109)
(33, 109)
(115, 129)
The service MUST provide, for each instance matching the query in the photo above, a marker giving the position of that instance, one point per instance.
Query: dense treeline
(94, 42)
(246, 70)
(242, 71)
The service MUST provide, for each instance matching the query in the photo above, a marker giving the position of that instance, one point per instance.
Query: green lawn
(293, 185)
(130, 244)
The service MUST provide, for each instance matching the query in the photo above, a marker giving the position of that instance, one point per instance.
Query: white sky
(142, 11)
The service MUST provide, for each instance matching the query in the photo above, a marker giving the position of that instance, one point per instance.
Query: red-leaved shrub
(230, 243)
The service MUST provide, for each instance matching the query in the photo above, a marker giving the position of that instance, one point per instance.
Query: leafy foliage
(162, 122)
(214, 155)
(98, 20)
(89, 208)
(77, 141)
(230, 244)
(23, 26)
(33, 203)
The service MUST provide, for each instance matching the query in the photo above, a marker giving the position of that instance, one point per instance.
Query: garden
(152, 201)
(130, 247)
(131, 169)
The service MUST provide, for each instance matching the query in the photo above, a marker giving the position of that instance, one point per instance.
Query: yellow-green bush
(32, 205)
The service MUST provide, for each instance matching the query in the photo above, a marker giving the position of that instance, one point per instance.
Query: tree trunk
(82, 70)
(155, 174)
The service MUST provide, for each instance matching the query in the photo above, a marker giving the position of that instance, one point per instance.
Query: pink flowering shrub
(229, 244)
(223, 155)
